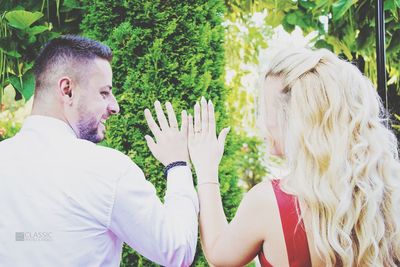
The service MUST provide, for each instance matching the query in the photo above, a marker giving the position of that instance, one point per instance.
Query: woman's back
(286, 239)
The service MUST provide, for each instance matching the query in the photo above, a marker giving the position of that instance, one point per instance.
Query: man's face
(95, 102)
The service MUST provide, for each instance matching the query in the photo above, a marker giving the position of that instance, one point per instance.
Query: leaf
(12, 53)
(394, 45)
(307, 4)
(292, 18)
(26, 87)
(323, 44)
(297, 18)
(72, 4)
(287, 26)
(340, 7)
(274, 18)
(31, 39)
(339, 47)
(36, 30)
(269, 4)
(9, 95)
(22, 19)
(389, 5)
(320, 3)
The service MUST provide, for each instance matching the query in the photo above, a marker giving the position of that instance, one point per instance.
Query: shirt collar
(47, 125)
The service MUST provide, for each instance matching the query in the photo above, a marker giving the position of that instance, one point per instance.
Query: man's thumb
(150, 143)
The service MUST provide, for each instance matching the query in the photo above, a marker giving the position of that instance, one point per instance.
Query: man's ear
(66, 89)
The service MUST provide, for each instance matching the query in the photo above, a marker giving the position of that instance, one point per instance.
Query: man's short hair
(67, 53)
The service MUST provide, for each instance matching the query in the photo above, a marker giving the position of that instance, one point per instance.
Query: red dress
(293, 231)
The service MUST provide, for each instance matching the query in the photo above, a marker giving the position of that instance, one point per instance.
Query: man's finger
(162, 120)
(155, 130)
(204, 115)
(171, 116)
(211, 118)
(184, 125)
(150, 143)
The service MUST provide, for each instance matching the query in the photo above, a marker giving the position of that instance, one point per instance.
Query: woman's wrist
(208, 175)
(208, 183)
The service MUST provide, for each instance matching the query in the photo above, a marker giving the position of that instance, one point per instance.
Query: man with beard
(66, 201)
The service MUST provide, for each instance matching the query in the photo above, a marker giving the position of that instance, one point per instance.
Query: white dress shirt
(67, 202)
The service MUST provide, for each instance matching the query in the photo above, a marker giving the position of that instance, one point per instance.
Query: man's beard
(88, 130)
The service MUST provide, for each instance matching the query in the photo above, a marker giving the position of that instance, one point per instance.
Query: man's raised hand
(170, 143)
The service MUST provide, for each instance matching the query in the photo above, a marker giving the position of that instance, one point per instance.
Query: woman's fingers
(197, 119)
(204, 116)
(211, 118)
(190, 129)
(222, 137)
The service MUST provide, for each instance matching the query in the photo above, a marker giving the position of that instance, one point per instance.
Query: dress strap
(293, 228)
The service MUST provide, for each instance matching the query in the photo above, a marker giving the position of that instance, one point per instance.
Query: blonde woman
(340, 203)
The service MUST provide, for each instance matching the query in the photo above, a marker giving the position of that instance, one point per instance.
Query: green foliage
(25, 84)
(340, 8)
(251, 163)
(243, 40)
(22, 34)
(350, 30)
(165, 50)
(12, 113)
(18, 42)
(22, 19)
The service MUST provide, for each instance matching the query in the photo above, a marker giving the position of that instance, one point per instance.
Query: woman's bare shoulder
(262, 191)
(262, 198)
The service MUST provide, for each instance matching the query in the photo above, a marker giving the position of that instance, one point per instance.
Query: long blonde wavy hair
(343, 161)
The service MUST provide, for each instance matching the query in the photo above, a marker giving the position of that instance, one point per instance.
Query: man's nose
(113, 107)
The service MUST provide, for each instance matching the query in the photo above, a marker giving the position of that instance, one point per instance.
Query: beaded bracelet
(173, 164)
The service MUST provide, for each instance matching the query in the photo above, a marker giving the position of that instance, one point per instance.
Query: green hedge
(165, 50)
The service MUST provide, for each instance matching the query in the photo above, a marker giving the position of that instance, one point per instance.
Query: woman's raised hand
(205, 148)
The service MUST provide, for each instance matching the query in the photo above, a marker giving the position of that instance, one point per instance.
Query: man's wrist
(173, 165)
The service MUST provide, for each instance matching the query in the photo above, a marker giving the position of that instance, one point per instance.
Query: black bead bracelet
(173, 164)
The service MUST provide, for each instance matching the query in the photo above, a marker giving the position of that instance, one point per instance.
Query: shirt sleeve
(164, 233)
